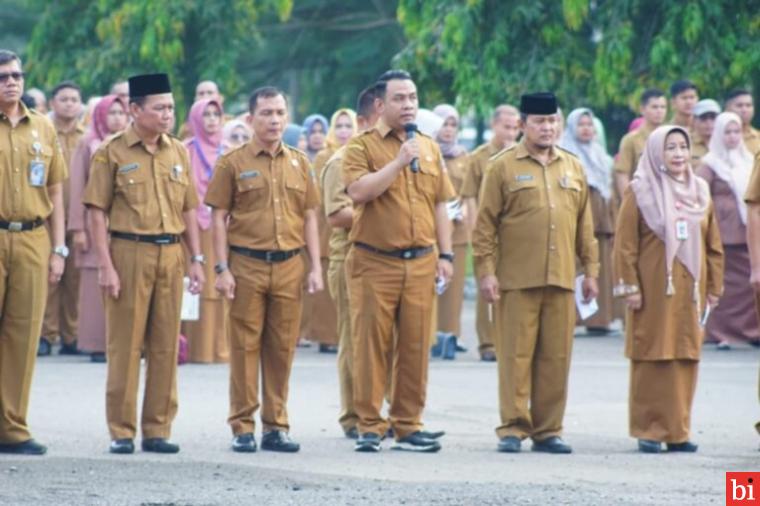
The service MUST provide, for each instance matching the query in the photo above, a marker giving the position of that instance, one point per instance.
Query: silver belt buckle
(15, 226)
(269, 257)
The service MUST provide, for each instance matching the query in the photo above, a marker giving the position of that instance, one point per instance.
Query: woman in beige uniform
(449, 311)
(580, 139)
(668, 260)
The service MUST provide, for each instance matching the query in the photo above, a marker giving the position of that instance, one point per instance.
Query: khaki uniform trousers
(319, 320)
(337, 282)
(385, 293)
(486, 324)
(24, 259)
(264, 321)
(533, 352)
(450, 302)
(62, 309)
(145, 316)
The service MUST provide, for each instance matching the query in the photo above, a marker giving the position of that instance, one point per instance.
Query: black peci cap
(538, 103)
(149, 84)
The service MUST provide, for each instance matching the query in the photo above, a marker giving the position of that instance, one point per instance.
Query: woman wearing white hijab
(727, 168)
(668, 260)
(579, 138)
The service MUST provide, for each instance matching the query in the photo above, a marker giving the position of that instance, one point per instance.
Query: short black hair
(737, 92)
(65, 85)
(649, 94)
(365, 102)
(8, 56)
(28, 101)
(264, 92)
(390, 75)
(680, 86)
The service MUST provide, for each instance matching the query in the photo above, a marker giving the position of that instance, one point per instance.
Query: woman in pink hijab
(109, 116)
(207, 337)
(668, 259)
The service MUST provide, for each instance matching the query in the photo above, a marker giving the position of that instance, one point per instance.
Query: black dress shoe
(509, 444)
(649, 446)
(352, 433)
(553, 444)
(416, 442)
(687, 447)
(29, 447)
(244, 443)
(98, 357)
(69, 349)
(279, 441)
(122, 446)
(328, 348)
(487, 356)
(159, 445)
(45, 348)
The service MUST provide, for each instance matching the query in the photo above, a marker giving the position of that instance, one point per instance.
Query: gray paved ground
(67, 413)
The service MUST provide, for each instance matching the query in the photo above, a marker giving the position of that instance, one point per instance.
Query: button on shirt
(32, 139)
(403, 216)
(533, 220)
(141, 192)
(266, 195)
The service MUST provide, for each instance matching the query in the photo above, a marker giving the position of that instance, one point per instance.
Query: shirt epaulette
(502, 152)
(566, 151)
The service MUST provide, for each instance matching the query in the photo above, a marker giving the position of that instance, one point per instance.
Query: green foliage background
(475, 53)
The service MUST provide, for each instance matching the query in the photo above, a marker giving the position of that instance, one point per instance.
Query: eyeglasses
(17, 76)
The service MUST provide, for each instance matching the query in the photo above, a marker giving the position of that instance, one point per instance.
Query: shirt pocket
(133, 186)
(44, 155)
(570, 191)
(250, 193)
(522, 195)
(295, 189)
(427, 177)
(177, 185)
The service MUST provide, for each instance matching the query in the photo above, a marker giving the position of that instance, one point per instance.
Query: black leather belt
(152, 239)
(404, 254)
(273, 256)
(21, 226)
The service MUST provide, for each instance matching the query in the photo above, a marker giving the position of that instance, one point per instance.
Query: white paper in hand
(585, 310)
(190, 303)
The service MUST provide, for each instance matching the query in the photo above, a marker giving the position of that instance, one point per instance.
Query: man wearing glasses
(32, 172)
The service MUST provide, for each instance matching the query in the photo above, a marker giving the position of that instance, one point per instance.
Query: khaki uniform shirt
(404, 215)
(69, 141)
(141, 192)
(533, 220)
(335, 198)
(457, 169)
(477, 161)
(752, 140)
(631, 147)
(752, 196)
(325, 230)
(19, 200)
(698, 150)
(266, 195)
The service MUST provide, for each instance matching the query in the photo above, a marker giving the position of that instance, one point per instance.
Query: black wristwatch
(221, 267)
(446, 256)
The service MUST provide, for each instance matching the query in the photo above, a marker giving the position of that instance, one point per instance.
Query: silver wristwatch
(200, 259)
(61, 251)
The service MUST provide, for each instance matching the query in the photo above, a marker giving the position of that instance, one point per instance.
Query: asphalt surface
(68, 414)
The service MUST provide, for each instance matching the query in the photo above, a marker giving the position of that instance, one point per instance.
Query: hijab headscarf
(448, 149)
(332, 140)
(204, 150)
(291, 134)
(98, 129)
(734, 166)
(229, 128)
(308, 129)
(663, 201)
(595, 160)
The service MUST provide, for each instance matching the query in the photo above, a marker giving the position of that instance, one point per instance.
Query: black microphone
(411, 130)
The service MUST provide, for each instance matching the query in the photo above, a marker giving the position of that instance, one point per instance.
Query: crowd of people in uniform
(354, 233)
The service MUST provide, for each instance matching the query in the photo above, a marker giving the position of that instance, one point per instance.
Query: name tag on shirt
(682, 230)
(37, 173)
(128, 168)
(523, 177)
(249, 174)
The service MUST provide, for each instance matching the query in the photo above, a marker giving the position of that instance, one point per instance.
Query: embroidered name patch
(128, 168)
(523, 177)
(249, 174)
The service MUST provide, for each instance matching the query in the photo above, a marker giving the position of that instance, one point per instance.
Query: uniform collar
(522, 152)
(132, 139)
(258, 148)
(24, 112)
(383, 129)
